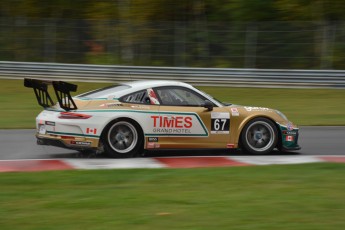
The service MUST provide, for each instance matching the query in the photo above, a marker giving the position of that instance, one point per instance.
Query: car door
(184, 122)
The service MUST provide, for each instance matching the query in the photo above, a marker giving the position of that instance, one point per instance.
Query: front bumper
(289, 137)
(295, 148)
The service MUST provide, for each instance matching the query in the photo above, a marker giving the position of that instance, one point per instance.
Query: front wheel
(123, 139)
(259, 136)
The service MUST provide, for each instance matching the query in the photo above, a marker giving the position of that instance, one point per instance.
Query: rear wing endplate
(62, 91)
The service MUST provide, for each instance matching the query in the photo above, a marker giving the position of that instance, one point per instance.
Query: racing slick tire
(122, 139)
(259, 136)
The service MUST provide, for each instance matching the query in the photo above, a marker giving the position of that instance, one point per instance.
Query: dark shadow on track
(76, 155)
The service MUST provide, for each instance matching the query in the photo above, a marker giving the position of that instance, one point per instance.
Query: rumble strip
(159, 162)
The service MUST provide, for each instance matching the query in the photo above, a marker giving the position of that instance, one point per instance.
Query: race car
(126, 119)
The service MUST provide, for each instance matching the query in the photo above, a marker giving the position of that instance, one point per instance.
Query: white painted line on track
(272, 160)
(114, 163)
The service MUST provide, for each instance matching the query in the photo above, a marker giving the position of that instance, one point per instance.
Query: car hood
(252, 108)
(248, 112)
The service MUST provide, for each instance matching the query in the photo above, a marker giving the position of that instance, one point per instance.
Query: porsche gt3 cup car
(123, 120)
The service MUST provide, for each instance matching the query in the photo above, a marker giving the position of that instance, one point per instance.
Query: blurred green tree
(207, 33)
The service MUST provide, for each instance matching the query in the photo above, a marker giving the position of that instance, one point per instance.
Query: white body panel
(153, 123)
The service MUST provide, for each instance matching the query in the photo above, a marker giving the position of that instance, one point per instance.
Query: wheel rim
(260, 136)
(122, 137)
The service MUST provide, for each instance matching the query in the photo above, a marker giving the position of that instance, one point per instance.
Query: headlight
(282, 115)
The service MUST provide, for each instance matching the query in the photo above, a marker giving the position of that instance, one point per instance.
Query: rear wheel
(259, 136)
(123, 139)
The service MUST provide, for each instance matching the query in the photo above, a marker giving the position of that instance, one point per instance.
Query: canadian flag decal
(92, 131)
(289, 138)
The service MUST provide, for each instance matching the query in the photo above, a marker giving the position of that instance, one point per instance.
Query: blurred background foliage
(297, 34)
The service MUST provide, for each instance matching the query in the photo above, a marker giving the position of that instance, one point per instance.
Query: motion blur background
(258, 34)
(287, 34)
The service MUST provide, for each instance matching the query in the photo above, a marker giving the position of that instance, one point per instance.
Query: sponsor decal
(220, 123)
(51, 123)
(91, 131)
(153, 97)
(153, 139)
(109, 105)
(289, 138)
(152, 145)
(289, 133)
(83, 143)
(175, 124)
(171, 131)
(256, 109)
(172, 124)
(172, 121)
(234, 112)
(140, 107)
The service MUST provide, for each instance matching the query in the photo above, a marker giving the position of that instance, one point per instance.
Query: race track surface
(21, 144)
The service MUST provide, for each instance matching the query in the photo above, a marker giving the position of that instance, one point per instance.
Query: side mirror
(208, 105)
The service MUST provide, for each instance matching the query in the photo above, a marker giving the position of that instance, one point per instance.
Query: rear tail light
(70, 115)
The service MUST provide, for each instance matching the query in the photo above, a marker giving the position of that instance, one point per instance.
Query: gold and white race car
(125, 119)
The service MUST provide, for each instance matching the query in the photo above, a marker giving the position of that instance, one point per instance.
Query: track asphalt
(19, 152)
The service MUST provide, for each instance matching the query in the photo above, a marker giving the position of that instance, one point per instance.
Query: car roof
(132, 87)
(144, 84)
(141, 85)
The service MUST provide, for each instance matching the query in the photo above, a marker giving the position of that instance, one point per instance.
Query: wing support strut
(62, 91)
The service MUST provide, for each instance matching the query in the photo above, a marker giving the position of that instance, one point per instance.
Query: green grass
(19, 105)
(302, 106)
(309, 196)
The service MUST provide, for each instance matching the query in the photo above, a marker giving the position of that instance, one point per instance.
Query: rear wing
(62, 91)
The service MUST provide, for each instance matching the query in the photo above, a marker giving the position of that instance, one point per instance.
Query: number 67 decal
(220, 123)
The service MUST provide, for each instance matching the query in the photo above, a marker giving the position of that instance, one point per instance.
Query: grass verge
(302, 106)
(309, 196)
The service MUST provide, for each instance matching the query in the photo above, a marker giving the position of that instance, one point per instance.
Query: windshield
(222, 103)
(104, 92)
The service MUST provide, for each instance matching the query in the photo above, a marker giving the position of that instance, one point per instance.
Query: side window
(140, 97)
(179, 96)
